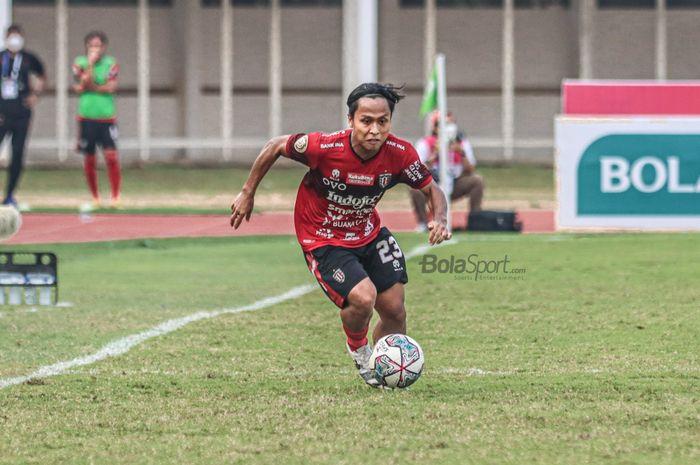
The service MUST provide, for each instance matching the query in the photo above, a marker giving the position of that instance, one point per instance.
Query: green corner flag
(429, 95)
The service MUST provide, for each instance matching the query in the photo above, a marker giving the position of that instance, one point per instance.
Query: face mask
(15, 42)
(452, 131)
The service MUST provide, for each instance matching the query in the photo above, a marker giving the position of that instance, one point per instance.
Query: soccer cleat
(115, 203)
(361, 358)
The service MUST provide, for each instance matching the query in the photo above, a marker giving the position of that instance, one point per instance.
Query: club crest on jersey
(384, 180)
(301, 144)
(335, 175)
(339, 276)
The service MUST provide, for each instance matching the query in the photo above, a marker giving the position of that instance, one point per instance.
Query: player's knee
(363, 297)
(111, 157)
(479, 182)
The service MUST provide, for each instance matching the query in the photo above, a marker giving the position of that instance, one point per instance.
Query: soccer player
(19, 96)
(357, 263)
(96, 82)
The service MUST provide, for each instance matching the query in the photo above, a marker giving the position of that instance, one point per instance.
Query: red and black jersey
(336, 200)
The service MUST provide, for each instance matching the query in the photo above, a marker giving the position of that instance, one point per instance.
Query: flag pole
(445, 183)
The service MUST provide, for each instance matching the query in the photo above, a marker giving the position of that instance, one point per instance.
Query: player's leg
(344, 280)
(386, 267)
(20, 128)
(356, 316)
(87, 145)
(471, 186)
(357, 313)
(109, 134)
(419, 209)
(392, 312)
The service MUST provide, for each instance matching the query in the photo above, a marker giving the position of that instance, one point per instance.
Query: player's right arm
(242, 206)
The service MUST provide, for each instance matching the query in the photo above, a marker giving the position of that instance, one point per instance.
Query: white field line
(123, 345)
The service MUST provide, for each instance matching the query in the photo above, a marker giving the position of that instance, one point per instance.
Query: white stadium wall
(546, 51)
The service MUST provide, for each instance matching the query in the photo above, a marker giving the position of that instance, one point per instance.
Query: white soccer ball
(10, 221)
(397, 361)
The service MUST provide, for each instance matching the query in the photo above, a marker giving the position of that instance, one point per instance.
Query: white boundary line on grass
(123, 345)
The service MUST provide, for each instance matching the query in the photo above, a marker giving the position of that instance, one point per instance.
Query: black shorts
(94, 133)
(339, 269)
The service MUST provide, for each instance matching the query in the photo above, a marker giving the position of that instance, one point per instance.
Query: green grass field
(588, 356)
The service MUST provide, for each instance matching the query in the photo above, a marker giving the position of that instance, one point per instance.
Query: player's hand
(93, 56)
(30, 100)
(241, 208)
(437, 232)
(86, 82)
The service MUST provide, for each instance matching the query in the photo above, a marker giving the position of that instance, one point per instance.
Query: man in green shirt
(96, 82)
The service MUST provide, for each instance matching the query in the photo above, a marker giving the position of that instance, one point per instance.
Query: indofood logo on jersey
(352, 201)
(640, 174)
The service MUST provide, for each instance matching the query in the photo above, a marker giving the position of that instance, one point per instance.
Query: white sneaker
(361, 358)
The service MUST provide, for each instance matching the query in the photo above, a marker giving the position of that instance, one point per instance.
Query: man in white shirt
(465, 182)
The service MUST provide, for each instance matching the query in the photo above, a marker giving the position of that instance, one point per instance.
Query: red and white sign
(614, 97)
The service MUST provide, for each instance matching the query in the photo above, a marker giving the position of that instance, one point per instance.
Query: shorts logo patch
(339, 276)
(397, 265)
(301, 144)
(355, 179)
(384, 180)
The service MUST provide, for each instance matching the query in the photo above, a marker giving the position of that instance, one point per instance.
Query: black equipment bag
(492, 220)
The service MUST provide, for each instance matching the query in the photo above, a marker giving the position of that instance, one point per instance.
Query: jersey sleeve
(304, 148)
(414, 172)
(36, 66)
(113, 72)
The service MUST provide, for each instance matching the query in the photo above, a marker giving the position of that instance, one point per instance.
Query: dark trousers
(17, 128)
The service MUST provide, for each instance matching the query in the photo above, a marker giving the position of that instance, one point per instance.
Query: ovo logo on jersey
(643, 174)
(334, 184)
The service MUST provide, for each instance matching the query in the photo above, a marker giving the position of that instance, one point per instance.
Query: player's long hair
(391, 93)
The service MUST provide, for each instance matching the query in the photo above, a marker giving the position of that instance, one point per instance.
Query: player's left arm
(417, 176)
(437, 202)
